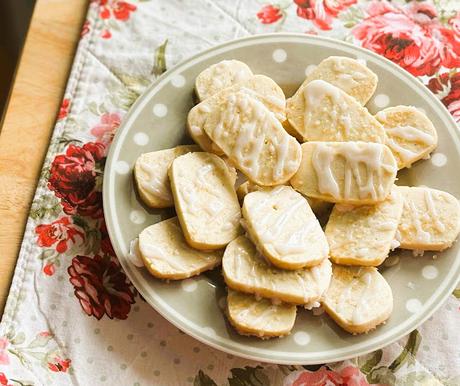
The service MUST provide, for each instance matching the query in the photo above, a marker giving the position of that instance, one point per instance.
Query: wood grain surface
(35, 99)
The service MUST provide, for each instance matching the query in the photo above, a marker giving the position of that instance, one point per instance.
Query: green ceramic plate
(157, 121)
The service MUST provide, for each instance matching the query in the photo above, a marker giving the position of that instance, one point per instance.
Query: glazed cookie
(260, 87)
(219, 76)
(205, 199)
(151, 175)
(358, 299)
(283, 227)
(347, 74)
(356, 173)
(410, 134)
(430, 219)
(247, 271)
(323, 112)
(166, 254)
(253, 139)
(363, 235)
(259, 317)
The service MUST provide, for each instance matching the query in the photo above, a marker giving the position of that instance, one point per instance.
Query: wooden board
(35, 99)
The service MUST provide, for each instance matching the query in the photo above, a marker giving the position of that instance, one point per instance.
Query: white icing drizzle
(408, 134)
(153, 184)
(368, 154)
(152, 252)
(134, 253)
(433, 212)
(267, 313)
(421, 236)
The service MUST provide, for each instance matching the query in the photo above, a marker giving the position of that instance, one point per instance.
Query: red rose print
(410, 36)
(85, 28)
(106, 34)
(347, 376)
(60, 233)
(101, 287)
(322, 12)
(447, 88)
(57, 364)
(4, 358)
(49, 269)
(64, 109)
(106, 244)
(106, 128)
(269, 14)
(4, 380)
(119, 9)
(73, 179)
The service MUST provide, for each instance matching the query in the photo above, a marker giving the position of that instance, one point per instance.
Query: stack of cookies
(266, 173)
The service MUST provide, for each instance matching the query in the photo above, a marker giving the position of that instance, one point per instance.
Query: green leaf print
(411, 348)
(382, 375)
(41, 340)
(202, 379)
(159, 59)
(456, 293)
(248, 376)
(373, 361)
(45, 206)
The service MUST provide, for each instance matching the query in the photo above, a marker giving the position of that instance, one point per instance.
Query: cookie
(247, 271)
(347, 74)
(167, 255)
(430, 220)
(260, 87)
(253, 139)
(363, 235)
(151, 175)
(283, 227)
(259, 317)
(410, 134)
(205, 199)
(356, 173)
(219, 76)
(358, 298)
(323, 112)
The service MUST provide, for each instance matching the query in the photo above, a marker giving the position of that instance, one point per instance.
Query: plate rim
(436, 300)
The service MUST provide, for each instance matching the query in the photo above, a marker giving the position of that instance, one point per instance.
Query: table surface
(34, 101)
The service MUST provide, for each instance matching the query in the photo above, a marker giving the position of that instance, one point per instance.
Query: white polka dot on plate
(160, 110)
(430, 272)
(141, 139)
(301, 338)
(178, 81)
(438, 159)
(381, 100)
(122, 167)
(413, 305)
(189, 285)
(137, 217)
(310, 69)
(279, 55)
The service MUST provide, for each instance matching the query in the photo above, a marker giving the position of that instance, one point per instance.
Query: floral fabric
(73, 317)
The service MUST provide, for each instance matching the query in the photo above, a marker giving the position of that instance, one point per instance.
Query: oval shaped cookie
(354, 173)
(283, 227)
(246, 271)
(430, 220)
(219, 76)
(151, 175)
(410, 134)
(260, 87)
(363, 235)
(166, 254)
(323, 112)
(358, 298)
(253, 139)
(259, 317)
(205, 199)
(348, 74)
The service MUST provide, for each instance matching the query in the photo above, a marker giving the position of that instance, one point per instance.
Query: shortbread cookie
(363, 235)
(151, 175)
(410, 134)
(430, 219)
(259, 317)
(247, 271)
(166, 254)
(323, 112)
(358, 299)
(219, 76)
(354, 173)
(253, 139)
(260, 87)
(347, 74)
(283, 227)
(206, 201)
